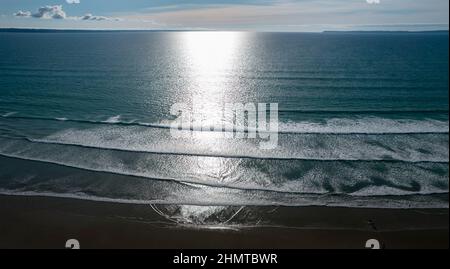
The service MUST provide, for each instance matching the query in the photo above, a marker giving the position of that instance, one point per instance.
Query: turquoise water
(363, 117)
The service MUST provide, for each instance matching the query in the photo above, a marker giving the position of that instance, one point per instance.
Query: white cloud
(45, 12)
(57, 12)
(50, 12)
(21, 13)
(90, 17)
(73, 1)
(373, 2)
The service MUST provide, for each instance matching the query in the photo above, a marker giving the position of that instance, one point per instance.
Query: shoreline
(47, 222)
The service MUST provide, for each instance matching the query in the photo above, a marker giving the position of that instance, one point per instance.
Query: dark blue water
(363, 117)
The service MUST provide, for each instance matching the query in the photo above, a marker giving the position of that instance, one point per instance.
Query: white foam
(114, 119)
(367, 125)
(413, 203)
(362, 125)
(408, 148)
(319, 177)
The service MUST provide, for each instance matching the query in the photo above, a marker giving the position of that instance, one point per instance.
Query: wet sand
(47, 222)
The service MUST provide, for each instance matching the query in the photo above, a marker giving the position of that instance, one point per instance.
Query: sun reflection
(210, 55)
(213, 167)
(211, 64)
(211, 61)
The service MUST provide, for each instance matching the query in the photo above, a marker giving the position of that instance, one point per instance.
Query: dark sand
(42, 222)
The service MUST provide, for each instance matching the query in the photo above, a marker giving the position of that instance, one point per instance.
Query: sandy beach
(42, 222)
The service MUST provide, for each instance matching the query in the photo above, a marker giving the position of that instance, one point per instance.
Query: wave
(218, 155)
(411, 148)
(394, 147)
(293, 177)
(361, 165)
(130, 174)
(61, 119)
(368, 125)
(349, 126)
(410, 201)
(364, 112)
(113, 119)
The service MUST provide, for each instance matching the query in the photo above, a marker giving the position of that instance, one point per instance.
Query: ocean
(363, 118)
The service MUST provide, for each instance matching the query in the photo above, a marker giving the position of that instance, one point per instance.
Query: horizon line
(27, 29)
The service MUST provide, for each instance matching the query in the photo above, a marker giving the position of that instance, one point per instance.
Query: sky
(245, 15)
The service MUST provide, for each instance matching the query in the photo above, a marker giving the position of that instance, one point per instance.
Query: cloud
(21, 13)
(73, 1)
(373, 2)
(57, 12)
(50, 12)
(90, 17)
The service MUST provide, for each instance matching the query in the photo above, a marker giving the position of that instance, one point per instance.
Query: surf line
(244, 120)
